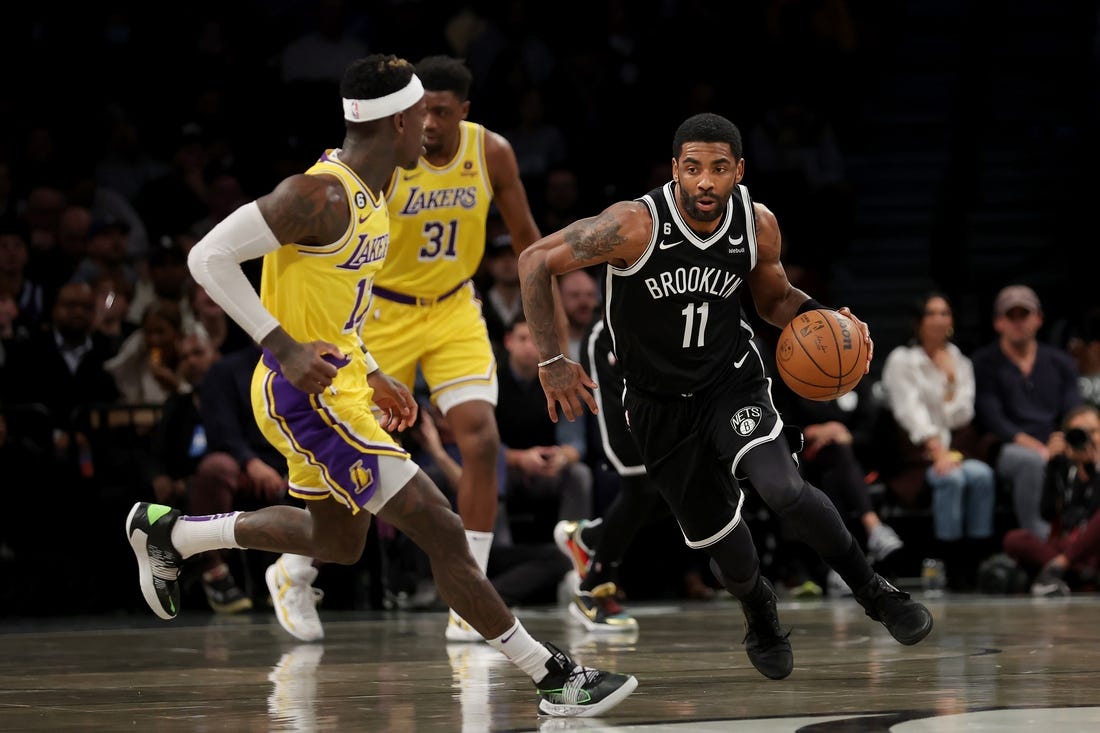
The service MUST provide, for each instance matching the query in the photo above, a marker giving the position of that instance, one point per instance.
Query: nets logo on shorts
(745, 420)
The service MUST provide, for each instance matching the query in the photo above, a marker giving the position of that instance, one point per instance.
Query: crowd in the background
(122, 380)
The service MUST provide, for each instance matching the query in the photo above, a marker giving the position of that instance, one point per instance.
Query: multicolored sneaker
(459, 630)
(572, 691)
(599, 610)
(149, 530)
(222, 592)
(567, 536)
(295, 600)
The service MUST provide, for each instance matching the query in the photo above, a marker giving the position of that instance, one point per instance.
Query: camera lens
(1077, 438)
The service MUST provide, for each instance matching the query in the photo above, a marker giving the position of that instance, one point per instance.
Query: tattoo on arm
(538, 304)
(306, 211)
(595, 239)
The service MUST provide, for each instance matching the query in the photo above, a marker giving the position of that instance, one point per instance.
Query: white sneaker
(295, 601)
(836, 586)
(459, 630)
(882, 542)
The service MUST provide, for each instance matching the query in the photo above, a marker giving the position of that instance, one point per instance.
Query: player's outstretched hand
(399, 409)
(566, 383)
(867, 342)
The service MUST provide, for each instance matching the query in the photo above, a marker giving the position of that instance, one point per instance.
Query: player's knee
(220, 467)
(781, 495)
(340, 548)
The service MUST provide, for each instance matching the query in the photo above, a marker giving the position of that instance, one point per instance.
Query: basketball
(820, 355)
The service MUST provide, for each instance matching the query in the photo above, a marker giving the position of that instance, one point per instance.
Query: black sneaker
(149, 529)
(768, 647)
(905, 619)
(1049, 582)
(223, 595)
(573, 691)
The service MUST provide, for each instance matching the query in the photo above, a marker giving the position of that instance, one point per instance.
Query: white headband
(364, 110)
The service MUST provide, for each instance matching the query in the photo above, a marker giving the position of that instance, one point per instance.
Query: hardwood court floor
(990, 664)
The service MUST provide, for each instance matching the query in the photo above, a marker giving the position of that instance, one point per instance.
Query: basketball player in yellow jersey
(323, 235)
(425, 311)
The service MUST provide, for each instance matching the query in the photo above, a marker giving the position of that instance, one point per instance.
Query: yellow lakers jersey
(437, 220)
(323, 292)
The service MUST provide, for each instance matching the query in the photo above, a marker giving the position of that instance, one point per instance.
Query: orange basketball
(820, 355)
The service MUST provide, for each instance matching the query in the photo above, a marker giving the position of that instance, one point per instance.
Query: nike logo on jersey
(737, 364)
(410, 176)
(362, 219)
(737, 241)
(669, 245)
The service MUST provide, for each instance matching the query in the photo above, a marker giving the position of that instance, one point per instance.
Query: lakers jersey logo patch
(362, 478)
(420, 200)
(370, 249)
(746, 420)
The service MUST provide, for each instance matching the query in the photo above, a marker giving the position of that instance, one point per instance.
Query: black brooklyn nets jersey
(675, 315)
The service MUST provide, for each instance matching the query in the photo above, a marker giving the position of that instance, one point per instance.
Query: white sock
(480, 544)
(298, 567)
(193, 535)
(522, 650)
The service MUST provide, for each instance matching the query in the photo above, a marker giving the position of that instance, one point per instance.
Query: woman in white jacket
(930, 390)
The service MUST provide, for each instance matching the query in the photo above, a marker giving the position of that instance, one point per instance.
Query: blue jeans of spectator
(1025, 469)
(962, 501)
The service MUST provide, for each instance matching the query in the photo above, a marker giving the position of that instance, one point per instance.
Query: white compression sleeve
(215, 263)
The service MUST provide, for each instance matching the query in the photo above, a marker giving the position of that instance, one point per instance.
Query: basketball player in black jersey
(697, 397)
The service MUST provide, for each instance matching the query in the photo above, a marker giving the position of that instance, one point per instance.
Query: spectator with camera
(1071, 503)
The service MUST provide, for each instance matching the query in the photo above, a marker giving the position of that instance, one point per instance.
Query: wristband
(372, 365)
(811, 305)
(551, 360)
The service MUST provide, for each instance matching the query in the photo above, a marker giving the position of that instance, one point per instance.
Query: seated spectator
(1025, 389)
(580, 299)
(112, 303)
(1071, 503)
(930, 391)
(106, 254)
(145, 367)
(63, 369)
(545, 459)
(166, 278)
(501, 302)
(28, 297)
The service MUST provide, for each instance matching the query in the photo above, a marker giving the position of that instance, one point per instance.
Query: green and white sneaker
(573, 691)
(149, 529)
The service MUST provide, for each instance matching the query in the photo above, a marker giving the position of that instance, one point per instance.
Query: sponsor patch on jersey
(745, 420)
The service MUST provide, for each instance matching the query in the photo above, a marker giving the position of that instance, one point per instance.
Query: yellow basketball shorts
(333, 444)
(446, 338)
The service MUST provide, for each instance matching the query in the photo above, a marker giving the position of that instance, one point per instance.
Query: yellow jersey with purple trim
(437, 220)
(322, 293)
